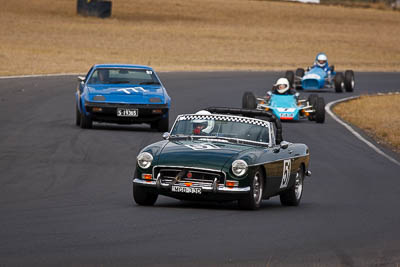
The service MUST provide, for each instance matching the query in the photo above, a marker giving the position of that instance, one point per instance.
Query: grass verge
(46, 36)
(378, 116)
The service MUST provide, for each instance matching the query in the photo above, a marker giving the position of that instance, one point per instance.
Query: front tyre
(143, 196)
(339, 82)
(292, 196)
(253, 200)
(320, 110)
(349, 81)
(86, 122)
(290, 76)
(312, 100)
(300, 72)
(249, 101)
(77, 116)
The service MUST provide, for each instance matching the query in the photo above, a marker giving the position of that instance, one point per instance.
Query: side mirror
(284, 144)
(166, 135)
(81, 79)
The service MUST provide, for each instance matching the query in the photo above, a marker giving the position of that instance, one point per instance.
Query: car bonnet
(200, 153)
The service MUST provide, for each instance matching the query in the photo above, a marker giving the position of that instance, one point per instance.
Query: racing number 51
(286, 173)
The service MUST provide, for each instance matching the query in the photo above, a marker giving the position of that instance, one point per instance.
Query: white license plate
(125, 112)
(184, 189)
(287, 115)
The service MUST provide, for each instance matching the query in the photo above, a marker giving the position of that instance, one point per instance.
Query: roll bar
(265, 115)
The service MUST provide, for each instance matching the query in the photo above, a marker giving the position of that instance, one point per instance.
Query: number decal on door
(286, 173)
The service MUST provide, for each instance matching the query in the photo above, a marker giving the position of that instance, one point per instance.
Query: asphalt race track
(66, 193)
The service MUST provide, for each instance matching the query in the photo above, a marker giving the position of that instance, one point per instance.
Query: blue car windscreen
(123, 76)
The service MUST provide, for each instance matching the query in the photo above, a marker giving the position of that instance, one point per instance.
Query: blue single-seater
(321, 76)
(284, 102)
(123, 94)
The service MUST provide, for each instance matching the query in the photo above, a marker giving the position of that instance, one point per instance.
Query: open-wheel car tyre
(299, 75)
(300, 72)
(143, 196)
(312, 100)
(290, 76)
(292, 196)
(249, 101)
(320, 110)
(253, 200)
(349, 81)
(339, 82)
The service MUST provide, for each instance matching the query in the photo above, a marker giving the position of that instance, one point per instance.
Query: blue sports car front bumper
(108, 112)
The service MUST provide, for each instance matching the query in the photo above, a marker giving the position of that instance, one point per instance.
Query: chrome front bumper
(213, 188)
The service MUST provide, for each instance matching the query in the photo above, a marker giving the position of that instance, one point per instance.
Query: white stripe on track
(355, 133)
(40, 75)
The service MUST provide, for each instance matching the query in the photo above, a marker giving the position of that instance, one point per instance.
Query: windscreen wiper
(116, 82)
(149, 83)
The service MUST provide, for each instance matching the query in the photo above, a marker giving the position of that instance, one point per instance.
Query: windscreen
(123, 76)
(222, 126)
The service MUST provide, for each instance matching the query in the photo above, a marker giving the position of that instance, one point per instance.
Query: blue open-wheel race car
(321, 76)
(284, 102)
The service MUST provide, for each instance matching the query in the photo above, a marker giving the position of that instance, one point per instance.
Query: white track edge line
(354, 132)
(39, 75)
(84, 74)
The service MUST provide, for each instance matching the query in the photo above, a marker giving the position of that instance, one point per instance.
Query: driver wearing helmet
(322, 61)
(282, 87)
(103, 75)
(203, 126)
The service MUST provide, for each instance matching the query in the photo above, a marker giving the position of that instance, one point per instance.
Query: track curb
(328, 109)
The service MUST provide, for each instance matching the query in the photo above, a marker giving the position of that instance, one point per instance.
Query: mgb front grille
(182, 175)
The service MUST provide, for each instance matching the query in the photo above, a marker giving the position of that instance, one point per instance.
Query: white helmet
(321, 59)
(282, 85)
(208, 125)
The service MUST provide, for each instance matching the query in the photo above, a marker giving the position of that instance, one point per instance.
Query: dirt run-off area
(378, 115)
(47, 36)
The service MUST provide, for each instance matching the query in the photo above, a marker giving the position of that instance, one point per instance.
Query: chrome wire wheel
(257, 188)
(298, 187)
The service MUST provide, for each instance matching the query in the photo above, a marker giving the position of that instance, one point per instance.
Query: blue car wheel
(77, 116)
(85, 121)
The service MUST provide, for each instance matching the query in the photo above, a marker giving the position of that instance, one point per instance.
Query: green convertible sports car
(223, 154)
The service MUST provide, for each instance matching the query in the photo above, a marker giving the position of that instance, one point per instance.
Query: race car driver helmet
(203, 126)
(282, 85)
(321, 60)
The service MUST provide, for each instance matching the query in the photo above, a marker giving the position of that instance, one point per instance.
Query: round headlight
(239, 167)
(144, 160)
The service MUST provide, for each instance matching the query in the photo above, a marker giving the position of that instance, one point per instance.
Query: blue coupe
(123, 94)
(317, 78)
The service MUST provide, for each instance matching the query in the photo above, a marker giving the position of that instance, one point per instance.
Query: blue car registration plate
(125, 112)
